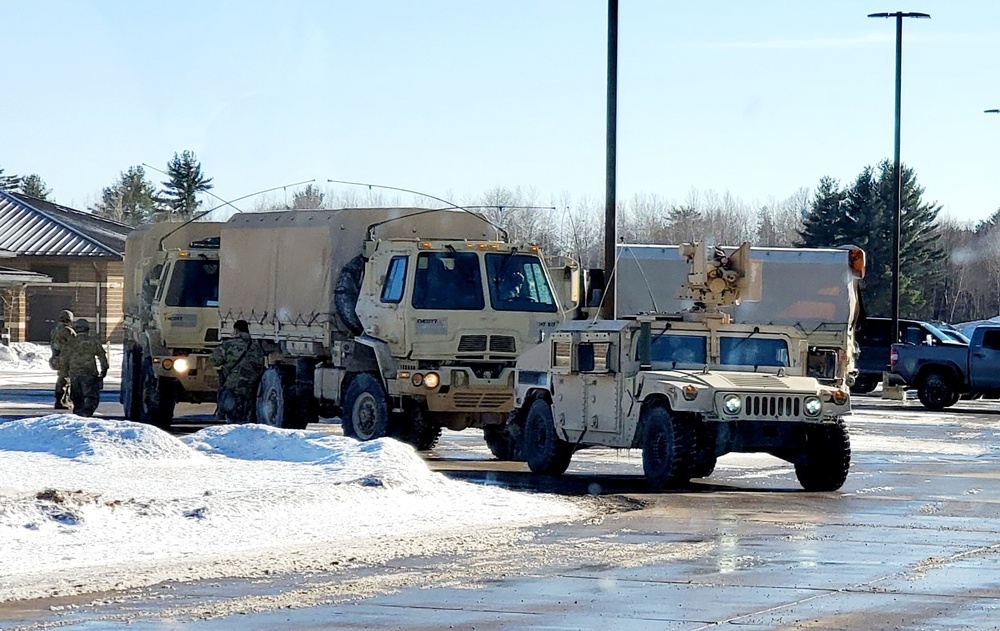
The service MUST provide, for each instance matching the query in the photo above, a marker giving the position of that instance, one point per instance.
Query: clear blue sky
(454, 97)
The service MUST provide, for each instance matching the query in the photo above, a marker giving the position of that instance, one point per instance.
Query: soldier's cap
(81, 325)
(65, 315)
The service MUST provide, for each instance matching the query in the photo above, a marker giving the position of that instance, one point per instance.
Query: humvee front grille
(472, 343)
(502, 344)
(772, 406)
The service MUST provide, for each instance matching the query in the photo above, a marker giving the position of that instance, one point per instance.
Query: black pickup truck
(874, 342)
(942, 373)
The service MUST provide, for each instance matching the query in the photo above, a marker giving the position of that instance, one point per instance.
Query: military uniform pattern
(60, 338)
(240, 361)
(81, 358)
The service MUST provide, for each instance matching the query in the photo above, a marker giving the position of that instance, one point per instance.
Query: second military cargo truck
(171, 318)
(686, 387)
(402, 320)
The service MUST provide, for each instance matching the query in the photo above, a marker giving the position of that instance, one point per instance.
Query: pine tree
(132, 199)
(826, 224)
(186, 180)
(309, 197)
(34, 186)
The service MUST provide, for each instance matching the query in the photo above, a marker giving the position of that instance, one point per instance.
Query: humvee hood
(737, 381)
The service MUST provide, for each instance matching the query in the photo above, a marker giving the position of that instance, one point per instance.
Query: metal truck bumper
(458, 390)
(195, 373)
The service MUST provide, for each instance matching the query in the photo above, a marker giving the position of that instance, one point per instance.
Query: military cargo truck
(685, 387)
(171, 318)
(400, 320)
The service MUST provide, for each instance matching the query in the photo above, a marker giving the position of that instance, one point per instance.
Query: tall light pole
(610, 214)
(896, 174)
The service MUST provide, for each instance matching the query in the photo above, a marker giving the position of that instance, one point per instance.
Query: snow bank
(25, 357)
(94, 504)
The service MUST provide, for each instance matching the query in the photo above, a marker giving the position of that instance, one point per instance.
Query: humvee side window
(562, 354)
(395, 280)
(448, 281)
(748, 351)
(680, 349)
(592, 357)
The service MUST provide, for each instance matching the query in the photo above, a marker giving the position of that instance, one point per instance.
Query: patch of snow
(94, 504)
(25, 357)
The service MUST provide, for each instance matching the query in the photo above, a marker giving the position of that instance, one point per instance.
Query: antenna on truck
(225, 203)
(439, 199)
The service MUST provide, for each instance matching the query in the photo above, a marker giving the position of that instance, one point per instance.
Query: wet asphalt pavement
(910, 542)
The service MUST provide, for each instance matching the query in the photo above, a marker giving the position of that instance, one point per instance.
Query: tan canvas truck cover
(142, 245)
(282, 267)
(810, 288)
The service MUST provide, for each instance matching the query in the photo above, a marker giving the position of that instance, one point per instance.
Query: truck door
(984, 359)
(386, 319)
(600, 388)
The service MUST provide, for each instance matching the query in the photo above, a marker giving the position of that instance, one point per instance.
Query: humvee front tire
(827, 458)
(365, 412)
(665, 447)
(545, 452)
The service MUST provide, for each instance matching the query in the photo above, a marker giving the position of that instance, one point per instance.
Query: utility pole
(610, 214)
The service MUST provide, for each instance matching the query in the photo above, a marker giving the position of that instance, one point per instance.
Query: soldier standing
(85, 383)
(59, 338)
(240, 361)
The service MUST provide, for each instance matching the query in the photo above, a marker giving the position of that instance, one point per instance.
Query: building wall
(90, 287)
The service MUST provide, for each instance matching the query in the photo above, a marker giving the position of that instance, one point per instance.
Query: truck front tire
(936, 392)
(157, 397)
(131, 389)
(666, 446)
(827, 458)
(545, 452)
(365, 412)
(502, 444)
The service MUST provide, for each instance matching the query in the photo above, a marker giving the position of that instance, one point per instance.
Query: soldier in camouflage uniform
(85, 382)
(240, 361)
(60, 337)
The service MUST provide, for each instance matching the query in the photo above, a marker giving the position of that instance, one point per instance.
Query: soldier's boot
(61, 398)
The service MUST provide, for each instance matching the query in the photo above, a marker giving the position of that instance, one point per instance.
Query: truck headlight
(813, 406)
(732, 404)
(181, 365)
(431, 380)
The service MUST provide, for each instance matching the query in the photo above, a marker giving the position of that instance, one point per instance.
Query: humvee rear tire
(936, 392)
(130, 393)
(827, 458)
(276, 405)
(365, 414)
(545, 452)
(156, 397)
(665, 447)
(502, 444)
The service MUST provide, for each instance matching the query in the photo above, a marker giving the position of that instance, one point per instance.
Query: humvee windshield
(680, 349)
(193, 284)
(517, 283)
(448, 281)
(748, 351)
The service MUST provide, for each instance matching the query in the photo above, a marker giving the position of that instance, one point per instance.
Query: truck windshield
(193, 284)
(517, 283)
(677, 349)
(748, 351)
(449, 281)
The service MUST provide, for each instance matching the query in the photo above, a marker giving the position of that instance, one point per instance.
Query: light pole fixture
(896, 174)
(991, 111)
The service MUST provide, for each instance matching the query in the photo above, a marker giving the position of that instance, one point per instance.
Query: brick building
(79, 253)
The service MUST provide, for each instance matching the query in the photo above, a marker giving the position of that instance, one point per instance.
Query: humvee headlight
(181, 365)
(417, 379)
(732, 404)
(690, 392)
(840, 397)
(168, 364)
(813, 406)
(431, 380)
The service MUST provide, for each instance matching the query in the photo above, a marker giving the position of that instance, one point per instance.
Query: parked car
(875, 345)
(942, 373)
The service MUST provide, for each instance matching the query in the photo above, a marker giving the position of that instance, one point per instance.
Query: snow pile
(25, 357)
(93, 504)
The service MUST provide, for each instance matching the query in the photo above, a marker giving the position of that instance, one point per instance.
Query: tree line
(949, 270)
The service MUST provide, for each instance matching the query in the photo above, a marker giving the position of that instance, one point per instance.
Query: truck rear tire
(936, 392)
(157, 397)
(545, 452)
(415, 427)
(365, 413)
(864, 385)
(130, 393)
(502, 444)
(827, 458)
(666, 446)
(275, 401)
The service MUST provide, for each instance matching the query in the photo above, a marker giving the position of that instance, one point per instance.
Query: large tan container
(281, 268)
